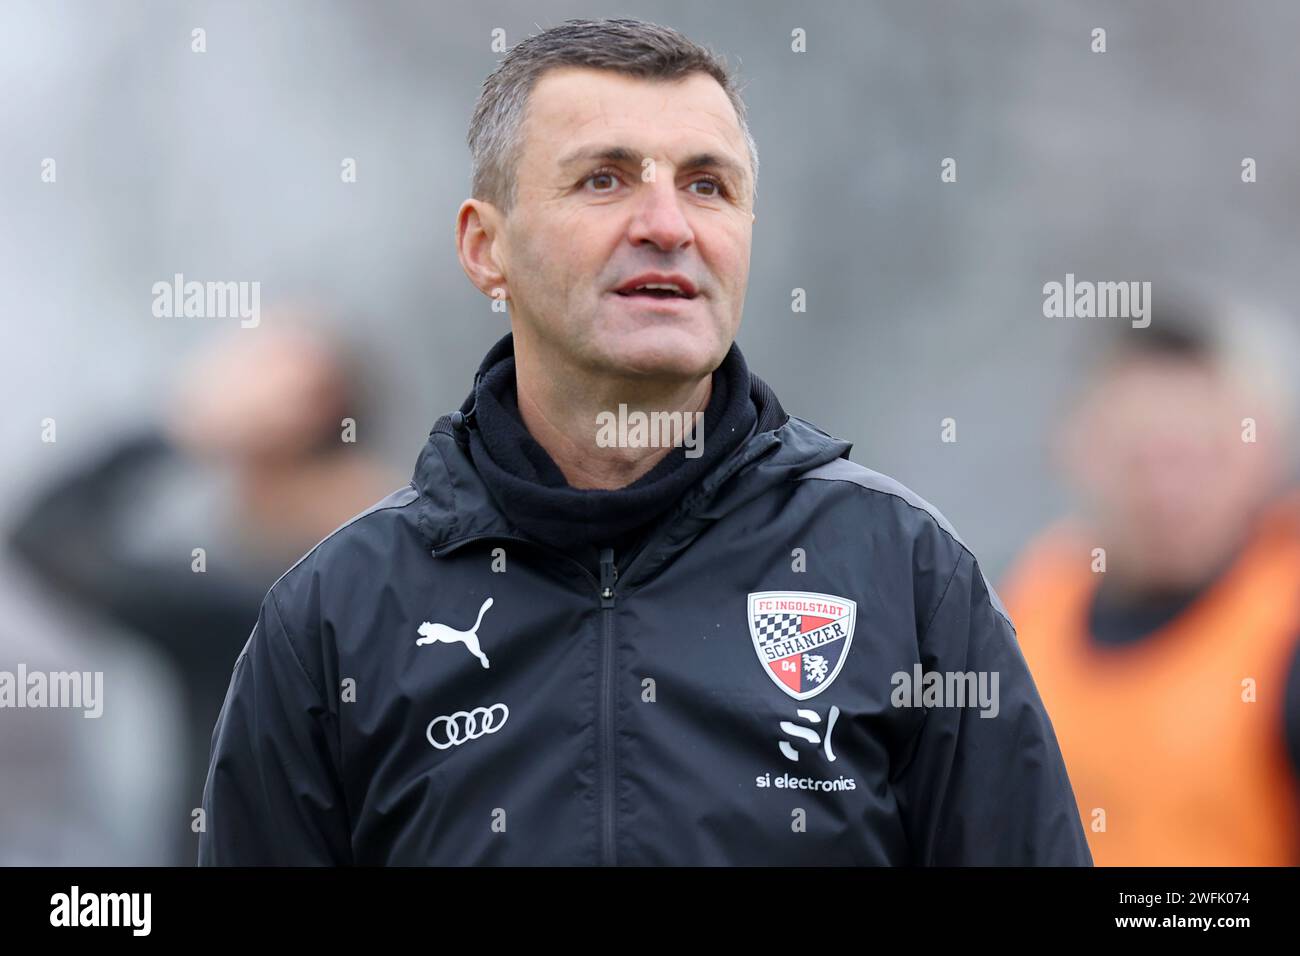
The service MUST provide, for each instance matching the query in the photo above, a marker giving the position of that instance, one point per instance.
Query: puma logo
(431, 633)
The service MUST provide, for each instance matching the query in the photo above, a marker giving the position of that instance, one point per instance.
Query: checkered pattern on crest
(774, 627)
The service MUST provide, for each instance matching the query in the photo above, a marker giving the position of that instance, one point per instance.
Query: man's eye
(603, 181)
(710, 182)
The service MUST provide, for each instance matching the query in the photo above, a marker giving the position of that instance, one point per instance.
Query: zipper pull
(608, 575)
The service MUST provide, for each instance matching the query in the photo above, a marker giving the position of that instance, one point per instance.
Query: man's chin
(671, 352)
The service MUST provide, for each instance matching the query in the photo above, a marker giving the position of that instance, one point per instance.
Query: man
(565, 643)
(1161, 622)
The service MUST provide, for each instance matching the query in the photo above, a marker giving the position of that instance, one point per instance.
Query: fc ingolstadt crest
(801, 638)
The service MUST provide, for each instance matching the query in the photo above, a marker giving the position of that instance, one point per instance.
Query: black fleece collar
(531, 491)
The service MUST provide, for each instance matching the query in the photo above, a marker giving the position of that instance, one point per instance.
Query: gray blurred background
(924, 299)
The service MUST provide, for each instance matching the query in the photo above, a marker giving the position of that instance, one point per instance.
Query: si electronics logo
(801, 638)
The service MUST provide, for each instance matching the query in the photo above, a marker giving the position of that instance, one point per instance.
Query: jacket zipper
(605, 716)
(608, 575)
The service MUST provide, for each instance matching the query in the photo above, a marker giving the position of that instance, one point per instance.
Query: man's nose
(659, 218)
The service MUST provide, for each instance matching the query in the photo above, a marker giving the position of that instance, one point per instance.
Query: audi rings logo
(454, 730)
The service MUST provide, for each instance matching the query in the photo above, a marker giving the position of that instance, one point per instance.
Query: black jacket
(430, 686)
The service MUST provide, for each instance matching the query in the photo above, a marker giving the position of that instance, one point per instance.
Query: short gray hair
(631, 47)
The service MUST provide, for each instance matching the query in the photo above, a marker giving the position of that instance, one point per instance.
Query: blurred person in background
(1161, 622)
(251, 466)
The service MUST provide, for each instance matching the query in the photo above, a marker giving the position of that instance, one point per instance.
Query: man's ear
(477, 234)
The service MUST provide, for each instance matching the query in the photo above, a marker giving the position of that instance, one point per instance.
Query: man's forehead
(577, 106)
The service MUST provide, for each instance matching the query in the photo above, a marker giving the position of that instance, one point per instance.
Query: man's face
(618, 178)
(1158, 455)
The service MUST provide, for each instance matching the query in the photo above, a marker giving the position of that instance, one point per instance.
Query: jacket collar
(455, 506)
(530, 488)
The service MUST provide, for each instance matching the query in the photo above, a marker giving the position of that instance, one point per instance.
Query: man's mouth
(655, 293)
(657, 286)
